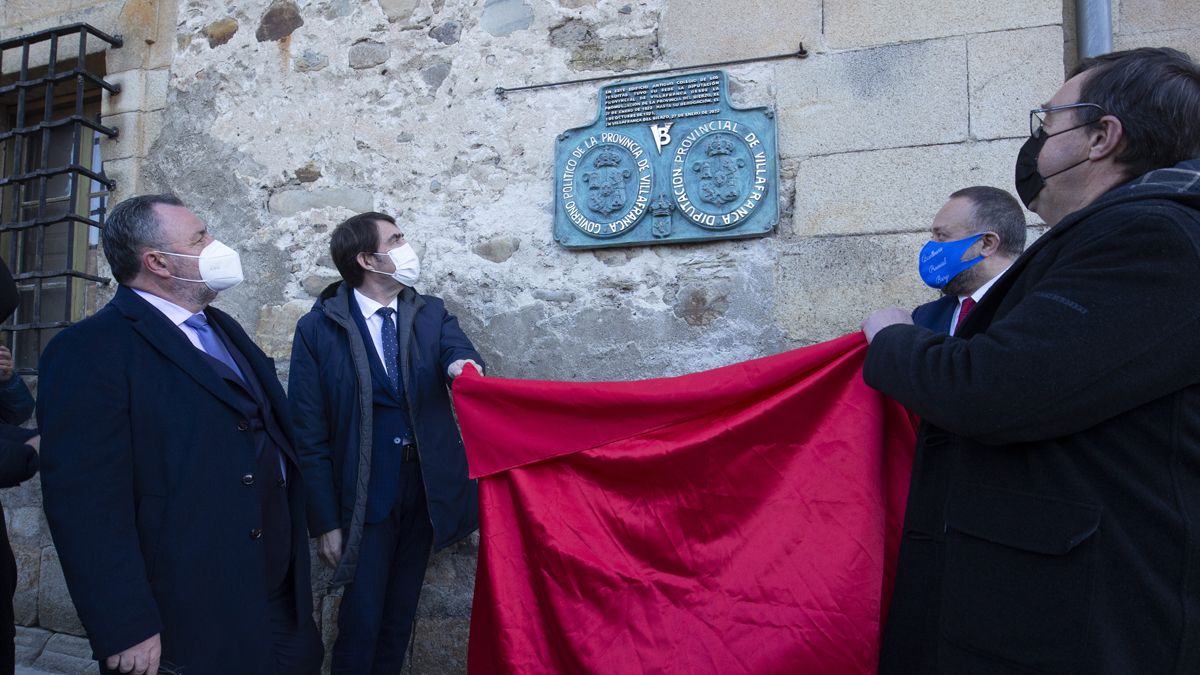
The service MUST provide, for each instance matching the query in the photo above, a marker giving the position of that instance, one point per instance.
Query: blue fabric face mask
(941, 261)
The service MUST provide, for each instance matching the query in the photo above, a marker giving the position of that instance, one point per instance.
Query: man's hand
(329, 547)
(6, 364)
(455, 369)
(883, 318)
(138, 659)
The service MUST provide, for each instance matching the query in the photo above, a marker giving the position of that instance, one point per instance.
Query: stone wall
(277, 119)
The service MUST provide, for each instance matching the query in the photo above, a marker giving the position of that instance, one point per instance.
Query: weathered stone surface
(1184, 39)
(498, 249)
(220, 31)
(290, 202)
(505, 17)
(55, 610)
(280, 20)
(826, 286)
(897, 190)
(141, 91)
(315, 283)
(66, 654)
(860, 23)
(25, 601)
(592, 51)
(327, 609)
(308, 173)
(436, 74)
(368, 54)
(310, 61)
(714, 31)
(398, 10)
(340, 9)
(25, 523)
(276, 323)
(447, 33)
(1011, 72)
(554, 296)
(29, 643)
(913, 94)
(440, 645)
(1154, 16)
(700, 305)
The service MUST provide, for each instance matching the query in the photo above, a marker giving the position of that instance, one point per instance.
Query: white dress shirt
(976, 296)
(174, 313)
(375, 321)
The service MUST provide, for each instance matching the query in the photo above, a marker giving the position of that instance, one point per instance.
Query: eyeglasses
(1037, 116)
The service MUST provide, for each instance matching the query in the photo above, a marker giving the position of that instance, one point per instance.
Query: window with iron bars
(53, 191)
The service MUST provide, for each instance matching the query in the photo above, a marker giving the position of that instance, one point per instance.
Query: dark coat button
(281, 483)
(248, 479)
(243, 425)
(256, 533)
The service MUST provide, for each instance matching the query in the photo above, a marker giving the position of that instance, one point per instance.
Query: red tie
(967, 304)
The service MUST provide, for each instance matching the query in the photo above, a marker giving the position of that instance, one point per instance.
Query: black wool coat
(1053, 522)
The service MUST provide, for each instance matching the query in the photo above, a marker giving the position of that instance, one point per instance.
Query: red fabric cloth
(740, 520)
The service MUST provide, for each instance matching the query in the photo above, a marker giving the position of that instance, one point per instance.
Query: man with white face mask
(169, 476)
(387, 479)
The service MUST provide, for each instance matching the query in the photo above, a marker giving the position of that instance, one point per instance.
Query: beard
(193, 292)
(965, 282)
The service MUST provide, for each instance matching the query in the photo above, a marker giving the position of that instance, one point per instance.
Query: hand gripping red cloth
(741, 520)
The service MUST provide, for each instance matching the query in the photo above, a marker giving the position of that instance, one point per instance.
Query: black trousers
(8, 588)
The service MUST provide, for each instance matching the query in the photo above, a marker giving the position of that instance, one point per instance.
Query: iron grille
(53, 191)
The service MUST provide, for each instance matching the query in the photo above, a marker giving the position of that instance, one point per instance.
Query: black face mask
(1029, 181)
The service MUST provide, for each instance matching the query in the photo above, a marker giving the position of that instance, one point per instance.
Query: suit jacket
(936, 315)
(145, 466)
(331, 390)
(1053, 521)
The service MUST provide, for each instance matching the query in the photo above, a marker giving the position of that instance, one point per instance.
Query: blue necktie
(211, 343)
(391, 346)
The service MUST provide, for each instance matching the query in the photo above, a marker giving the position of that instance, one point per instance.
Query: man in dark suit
(1053, 521)
(991, 224)
(169, 476)
(381, 451)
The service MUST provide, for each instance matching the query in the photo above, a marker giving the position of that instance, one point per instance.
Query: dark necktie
(391, 346)
(212, 344)
(967, 304)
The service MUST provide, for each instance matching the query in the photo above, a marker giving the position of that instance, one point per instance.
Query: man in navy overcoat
(169, 476)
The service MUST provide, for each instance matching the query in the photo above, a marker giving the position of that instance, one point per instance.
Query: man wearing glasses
(1053, 520)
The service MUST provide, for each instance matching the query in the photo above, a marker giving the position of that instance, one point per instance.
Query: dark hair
(1155, 92)
(997, 211)
(130, 227)
(352, 236)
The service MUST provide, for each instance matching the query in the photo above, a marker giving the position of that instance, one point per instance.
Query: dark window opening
(53, 191)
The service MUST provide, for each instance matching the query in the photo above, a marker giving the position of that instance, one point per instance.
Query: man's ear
(155, 263)
(1106, 138)
(989, 244)
(364, 261)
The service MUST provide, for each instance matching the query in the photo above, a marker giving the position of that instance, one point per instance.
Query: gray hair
(130, 227)
(996, 211)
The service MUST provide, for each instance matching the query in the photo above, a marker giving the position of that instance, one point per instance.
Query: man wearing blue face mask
(975, 237)
(381, 451)
(1053, 518)
(169, 476)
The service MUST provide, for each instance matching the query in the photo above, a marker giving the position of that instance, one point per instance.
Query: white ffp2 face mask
(408, 265)
(220, 266)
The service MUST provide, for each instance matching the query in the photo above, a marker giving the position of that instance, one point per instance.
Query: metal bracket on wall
(800, 53)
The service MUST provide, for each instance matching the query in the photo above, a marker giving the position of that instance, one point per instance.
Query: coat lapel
(169, 341)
